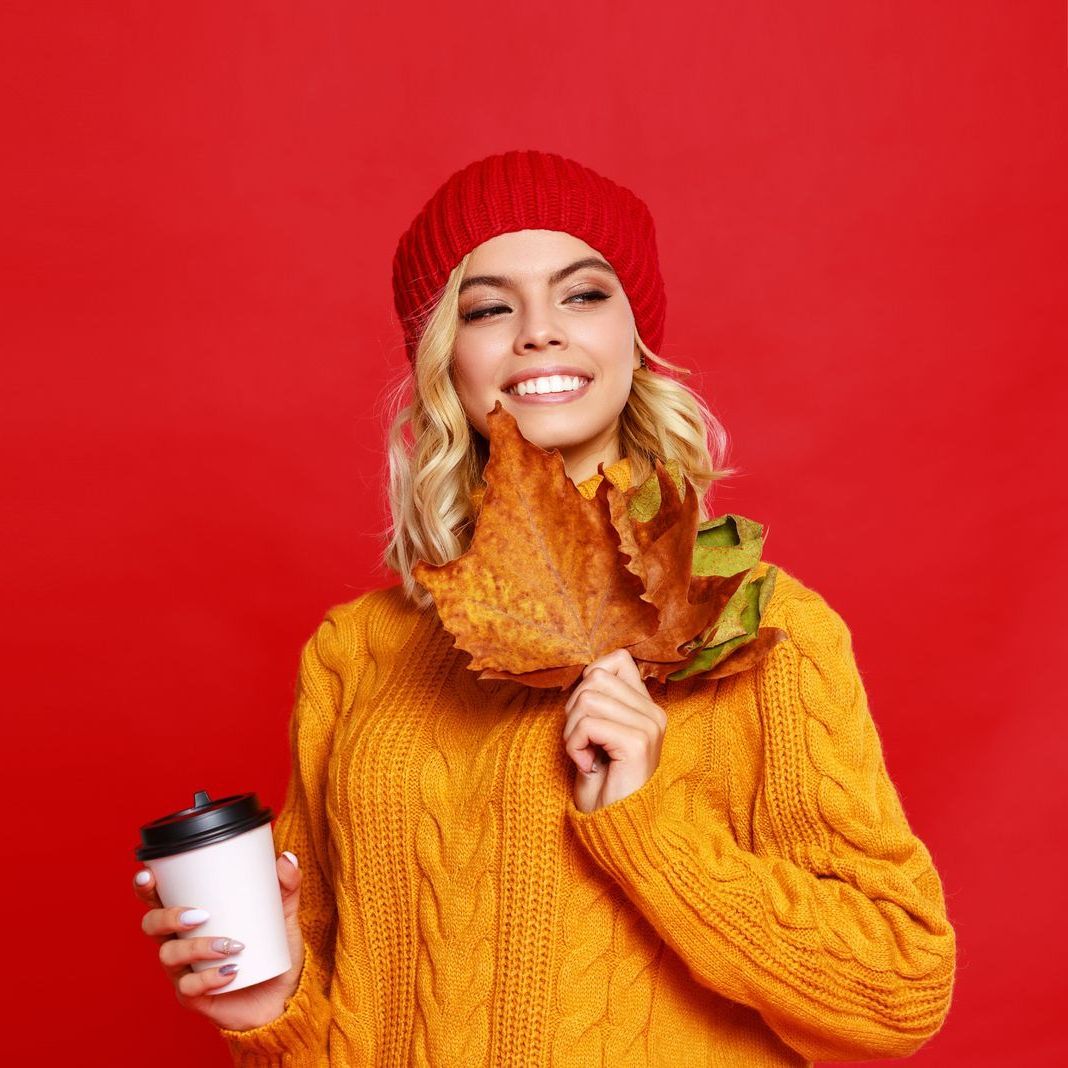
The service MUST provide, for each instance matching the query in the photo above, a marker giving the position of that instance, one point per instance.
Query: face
(541, 307)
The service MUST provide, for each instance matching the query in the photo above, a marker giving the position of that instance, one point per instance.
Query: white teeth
(549, 384)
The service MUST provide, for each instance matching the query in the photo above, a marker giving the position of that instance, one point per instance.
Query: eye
(590, 296)
(482, 313)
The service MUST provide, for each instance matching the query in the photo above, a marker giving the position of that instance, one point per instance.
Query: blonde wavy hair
(436, 458)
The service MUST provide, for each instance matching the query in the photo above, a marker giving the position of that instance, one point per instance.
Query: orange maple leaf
(688, 603)
(544, 588)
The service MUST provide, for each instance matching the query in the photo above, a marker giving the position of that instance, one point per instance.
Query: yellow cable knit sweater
(760, 901)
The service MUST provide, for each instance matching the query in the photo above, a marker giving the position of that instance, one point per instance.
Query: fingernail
(227, 945)
(143, 878)
(292, 859)
(228, 969)
(192, 917)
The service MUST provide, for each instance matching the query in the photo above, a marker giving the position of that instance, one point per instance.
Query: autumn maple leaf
(555, 578)
(736, 642)
(688, 603)
(543, 589)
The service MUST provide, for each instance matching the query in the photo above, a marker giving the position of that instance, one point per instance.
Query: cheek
(471, 369)
(472, 380)
(612, 338)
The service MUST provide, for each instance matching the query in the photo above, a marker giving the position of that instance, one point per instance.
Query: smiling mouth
(549, 387)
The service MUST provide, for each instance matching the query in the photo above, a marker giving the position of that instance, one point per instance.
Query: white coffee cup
(219, 856)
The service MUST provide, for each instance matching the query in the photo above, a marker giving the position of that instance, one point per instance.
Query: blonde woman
(481, 873)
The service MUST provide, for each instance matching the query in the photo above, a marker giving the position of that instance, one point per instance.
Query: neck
(580, 461)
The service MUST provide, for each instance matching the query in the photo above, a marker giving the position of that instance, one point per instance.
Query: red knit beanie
(528, 190)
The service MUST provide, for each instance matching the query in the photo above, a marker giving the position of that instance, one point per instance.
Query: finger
(603, 681)
(600, 677)
(144, 884)
(289, 880)
(161, 923)
(193, 984)
(606, 706)
(588, 787)
(289, 874)
(618, 741)
(619, 662)
(176, 954)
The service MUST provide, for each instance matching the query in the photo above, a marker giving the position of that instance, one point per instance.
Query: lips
(544, 372)
(550, 398)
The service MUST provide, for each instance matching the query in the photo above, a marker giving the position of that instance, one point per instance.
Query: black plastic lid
(206, 823)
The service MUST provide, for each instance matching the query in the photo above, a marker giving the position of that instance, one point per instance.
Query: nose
(538, 329)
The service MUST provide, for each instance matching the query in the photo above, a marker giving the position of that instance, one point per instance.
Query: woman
(733, 882)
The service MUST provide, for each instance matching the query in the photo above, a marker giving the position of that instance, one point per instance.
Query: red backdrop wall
(862, 225)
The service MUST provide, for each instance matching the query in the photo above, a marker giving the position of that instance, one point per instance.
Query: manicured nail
(227, 945)
(292, 859)
(228, 969)
(143, 878)
(191, 917)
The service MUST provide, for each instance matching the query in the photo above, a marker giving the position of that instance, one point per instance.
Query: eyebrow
(558, 276)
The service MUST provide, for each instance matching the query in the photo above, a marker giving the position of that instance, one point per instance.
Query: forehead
(528, 252)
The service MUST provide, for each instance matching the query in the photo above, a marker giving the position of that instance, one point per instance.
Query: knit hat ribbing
(528, 190)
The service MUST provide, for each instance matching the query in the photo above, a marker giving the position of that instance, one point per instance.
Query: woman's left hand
(610, 710)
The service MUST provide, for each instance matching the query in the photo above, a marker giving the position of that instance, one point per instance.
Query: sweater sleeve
(299, 1036)
(833, 926)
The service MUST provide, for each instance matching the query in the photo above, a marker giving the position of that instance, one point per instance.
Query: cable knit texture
(761, 900)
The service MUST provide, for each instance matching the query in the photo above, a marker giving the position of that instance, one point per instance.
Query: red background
(862, 226)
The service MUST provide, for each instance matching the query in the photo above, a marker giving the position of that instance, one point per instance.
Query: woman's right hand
(243, 1009)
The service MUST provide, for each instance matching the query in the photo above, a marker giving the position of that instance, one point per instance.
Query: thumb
(289, 880)
(289, 876)
(588, 787)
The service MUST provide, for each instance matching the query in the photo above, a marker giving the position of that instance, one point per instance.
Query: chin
(548, 438)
